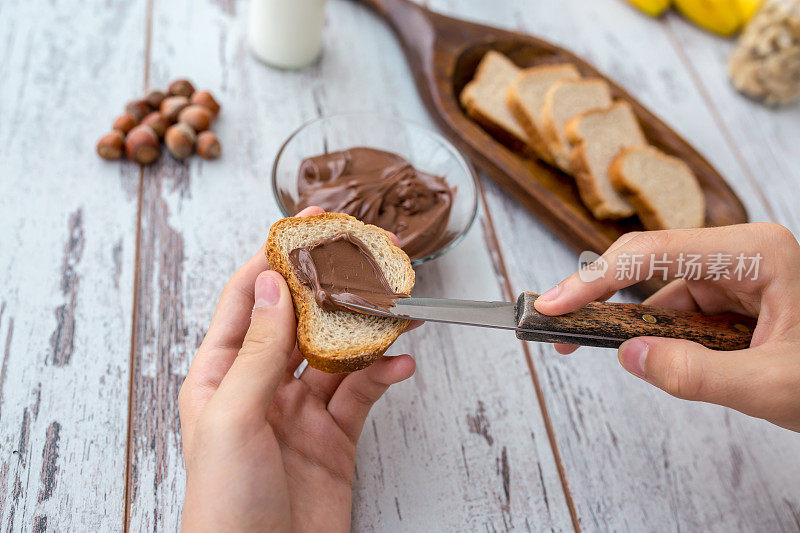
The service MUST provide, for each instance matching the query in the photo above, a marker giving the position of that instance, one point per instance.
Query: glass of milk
(286, 33)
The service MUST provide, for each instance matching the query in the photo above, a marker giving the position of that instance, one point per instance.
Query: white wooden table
(109, 275)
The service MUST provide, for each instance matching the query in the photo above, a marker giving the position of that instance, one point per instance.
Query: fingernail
(550, 295)
(267, 291)
(632, 355)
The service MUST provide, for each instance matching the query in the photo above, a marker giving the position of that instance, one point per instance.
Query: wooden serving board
(443, 54)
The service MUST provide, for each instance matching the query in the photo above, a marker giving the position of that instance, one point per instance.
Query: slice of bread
(484, 99)
(563, 101)
(525, 97)
(339, 341)
(662, 188)
(598, 136)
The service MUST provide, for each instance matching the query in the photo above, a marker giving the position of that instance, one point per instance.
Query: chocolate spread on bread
(383, 189)
(340, 270)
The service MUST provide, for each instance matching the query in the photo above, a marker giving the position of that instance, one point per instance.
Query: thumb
(250, 383)
(685, 369)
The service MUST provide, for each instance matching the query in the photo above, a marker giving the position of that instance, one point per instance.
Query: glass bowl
(425, 150)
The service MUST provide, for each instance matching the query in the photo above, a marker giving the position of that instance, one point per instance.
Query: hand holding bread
(340, 340)
(263, 448)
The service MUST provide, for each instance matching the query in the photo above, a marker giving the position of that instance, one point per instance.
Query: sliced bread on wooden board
(338, 341)
(597, 137)
(564, 100)
(484, 99)
(525, 97)
(662, 189)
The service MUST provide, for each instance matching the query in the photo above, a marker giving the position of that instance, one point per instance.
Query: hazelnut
(156, 121)
(197, 117)
(142, 145)
(138, 108)
(125, 123)
(205, 99)
(110, 145)
(154, 97)
(172, 106)
(181, 88)
(180, 140)
(208, 146)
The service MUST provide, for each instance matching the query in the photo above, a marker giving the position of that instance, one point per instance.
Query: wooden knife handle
(612, 323)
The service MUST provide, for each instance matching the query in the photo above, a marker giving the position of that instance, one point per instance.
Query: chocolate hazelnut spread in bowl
(384, 171)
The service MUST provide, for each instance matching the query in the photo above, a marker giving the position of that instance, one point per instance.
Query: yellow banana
(747, 9)
(724, 17)
(719, 16)
(652, 7)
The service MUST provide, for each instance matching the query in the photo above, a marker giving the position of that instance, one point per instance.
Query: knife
(600, 324)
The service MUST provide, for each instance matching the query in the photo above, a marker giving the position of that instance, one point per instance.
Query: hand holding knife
(600, 324)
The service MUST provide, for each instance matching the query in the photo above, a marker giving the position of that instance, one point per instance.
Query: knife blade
(600, 324)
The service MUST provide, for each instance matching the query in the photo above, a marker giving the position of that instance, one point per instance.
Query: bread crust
(586, 186)
(582, 172)
(550, 134)
(497, 131)
(518, 110)
(549, 131)
(471, 107)
(337, 360)
(535, 141)
(647, 212)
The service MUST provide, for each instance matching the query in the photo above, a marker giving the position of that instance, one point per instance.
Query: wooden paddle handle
(396, 11)
(613, 323)
(377, 5)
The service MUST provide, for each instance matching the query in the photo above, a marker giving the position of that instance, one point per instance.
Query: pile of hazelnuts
(181, 117)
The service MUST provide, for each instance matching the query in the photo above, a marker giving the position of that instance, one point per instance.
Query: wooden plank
(461, 444)
(635, 458)
(66, 263)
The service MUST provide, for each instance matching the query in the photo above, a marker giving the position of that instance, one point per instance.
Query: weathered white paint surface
(67, 228)
(462, 445)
